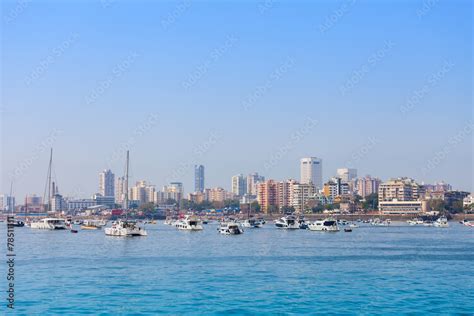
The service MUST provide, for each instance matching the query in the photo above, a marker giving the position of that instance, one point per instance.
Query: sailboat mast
(126, 181)
(49, 180)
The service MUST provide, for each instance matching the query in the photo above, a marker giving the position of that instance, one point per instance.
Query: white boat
(441, 222)
(251, 223)
(49, 223)
(353, 225)
(230, 228)
(467, 223)
(125, 229)
(189, 222)
(428, 223)
(287, 222)
(378, 222)
(324, 225)
(92, 224)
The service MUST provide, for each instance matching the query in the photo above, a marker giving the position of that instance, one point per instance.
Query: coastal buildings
(252, 181)
(311, 171)
(120, 190)
(346, 174)
(401, 195)
(267, 196)
(107, 183)
(301, 193)
(7, 203)
(239, 185)
(335, 187)
(367, 185)
(199, 178)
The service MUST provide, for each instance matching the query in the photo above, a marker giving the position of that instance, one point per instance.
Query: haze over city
(197, 85)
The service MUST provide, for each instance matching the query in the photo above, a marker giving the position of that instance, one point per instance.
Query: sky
(238, 86)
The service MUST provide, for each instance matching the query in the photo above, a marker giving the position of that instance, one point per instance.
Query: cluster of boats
(440, 222)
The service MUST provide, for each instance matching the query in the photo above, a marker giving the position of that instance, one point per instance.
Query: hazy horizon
(236, 87)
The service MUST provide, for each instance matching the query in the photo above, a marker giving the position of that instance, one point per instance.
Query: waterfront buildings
(239, 185)
(199, 178)
(367, 186)
(311, 171)
(335, 187)
(346, 174)
(468, 200)
(80, 204)
(252, 181)
(267, 196)
(107, 183)
(7, 203)
(300, 194)
(120, 190)
(394, 194)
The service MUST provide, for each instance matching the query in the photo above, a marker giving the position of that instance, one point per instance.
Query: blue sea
(373, 270)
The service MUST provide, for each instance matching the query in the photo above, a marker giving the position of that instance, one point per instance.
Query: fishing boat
(441, 222)
(49, 223)
(230, 228)
(189, 222)
(287, 222)
(125, 228)
(324, 225)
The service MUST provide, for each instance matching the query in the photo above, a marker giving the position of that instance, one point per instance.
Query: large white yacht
(251, 223)
(126, 229)
(49, 223)
(230, 228)
(441, 222)
(324, 225)
(287, 222)
(189, 222)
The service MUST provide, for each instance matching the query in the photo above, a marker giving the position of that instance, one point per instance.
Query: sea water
(372, 270)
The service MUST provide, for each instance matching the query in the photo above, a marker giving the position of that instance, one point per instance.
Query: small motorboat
(74, 231)
(348, 229)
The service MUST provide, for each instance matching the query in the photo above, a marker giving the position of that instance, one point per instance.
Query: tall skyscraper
(119, 190)
(239, 185)
(107, 183)
(312, 171)
(199, 178)
(346, 174)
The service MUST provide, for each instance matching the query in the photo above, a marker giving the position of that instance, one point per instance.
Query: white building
(300, 194)
(120, 190)
(346, 174)
(107, 183)
(312, 171)
(81, 204)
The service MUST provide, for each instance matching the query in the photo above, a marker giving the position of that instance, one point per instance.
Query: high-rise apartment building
(239, 185)
(7, 203)
(311, 169)
(400, 189)
(300, 194)
(335, 187)
(120, 190)
(107, 183)
(367, 186)
(199, 178)
(346, 174)
(267, 196)
(252, 181)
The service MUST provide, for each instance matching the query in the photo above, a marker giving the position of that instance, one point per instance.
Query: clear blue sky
(388, 85)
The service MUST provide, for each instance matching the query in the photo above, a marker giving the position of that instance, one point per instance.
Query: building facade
(239, 185)
(346, 174)
(199, 178)
(107, 183)
(367, 186)
(311, 171)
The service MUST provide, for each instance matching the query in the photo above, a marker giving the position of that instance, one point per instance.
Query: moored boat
(230, 228)
(49, 223)
(287, 222)
(125, 228)
(324, 225)
(189, 222)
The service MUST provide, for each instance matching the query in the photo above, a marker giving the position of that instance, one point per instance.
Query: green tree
(371, 202)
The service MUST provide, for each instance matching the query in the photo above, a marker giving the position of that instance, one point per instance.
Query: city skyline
(399, 104)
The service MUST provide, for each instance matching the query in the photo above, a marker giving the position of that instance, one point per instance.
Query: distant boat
(251, 223)
(124, 228)
(324, 225)
(49, 223)
(441, 222)
(189, 222)
(287, 222)
(230, 228)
